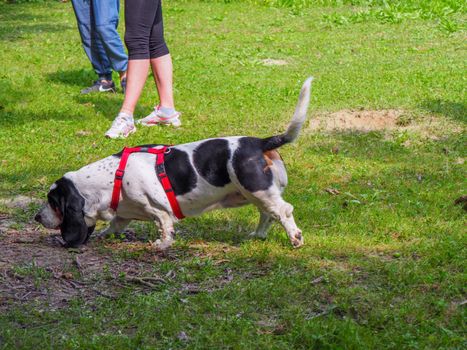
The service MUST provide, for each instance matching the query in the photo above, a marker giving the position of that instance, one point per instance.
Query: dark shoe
(123, 85)
(100, 86)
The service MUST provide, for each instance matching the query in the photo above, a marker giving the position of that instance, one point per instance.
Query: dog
(210, 174)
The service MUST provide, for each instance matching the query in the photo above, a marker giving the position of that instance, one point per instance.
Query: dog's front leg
(117, 225)
(166, 227)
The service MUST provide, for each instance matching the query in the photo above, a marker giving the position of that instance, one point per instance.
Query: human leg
(92, 44)
(162, 70)
(106, 16)
(161, 62)
(138, 22)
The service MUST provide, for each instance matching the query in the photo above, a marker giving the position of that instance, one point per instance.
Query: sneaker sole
(97, 91)
(122, 136)
(174, 124)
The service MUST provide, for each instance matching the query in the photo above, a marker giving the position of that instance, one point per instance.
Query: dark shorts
(144, 33)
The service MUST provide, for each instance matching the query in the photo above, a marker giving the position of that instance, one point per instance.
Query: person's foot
(123, 85)
(100, 85)
(158, 116)
(122, 126)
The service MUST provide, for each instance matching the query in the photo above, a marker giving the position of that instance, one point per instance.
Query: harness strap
(161, 174)
(165, 182)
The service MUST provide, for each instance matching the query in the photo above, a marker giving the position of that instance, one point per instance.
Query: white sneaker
(157, 117)
(122, 126)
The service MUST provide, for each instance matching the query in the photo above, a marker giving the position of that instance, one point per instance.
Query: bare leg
(162, 70)
(117, 225)
(136, 78)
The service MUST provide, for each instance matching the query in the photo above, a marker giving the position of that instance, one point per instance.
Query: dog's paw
(162, 245)
(297, 240)
(256, 235)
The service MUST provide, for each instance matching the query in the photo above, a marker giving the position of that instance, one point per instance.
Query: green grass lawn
(383, 266)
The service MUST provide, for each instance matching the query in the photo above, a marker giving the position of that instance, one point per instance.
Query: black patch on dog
(181, 174)
(66, 198)
(250, 166)
(210, 159)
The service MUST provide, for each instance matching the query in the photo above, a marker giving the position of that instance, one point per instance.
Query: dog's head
(64, 211)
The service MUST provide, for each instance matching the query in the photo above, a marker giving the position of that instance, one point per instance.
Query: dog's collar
(161, 174)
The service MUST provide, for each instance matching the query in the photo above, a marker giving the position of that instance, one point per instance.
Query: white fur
(49, 217)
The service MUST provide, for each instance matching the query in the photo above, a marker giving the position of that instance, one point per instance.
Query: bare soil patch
(36, 269)
(273, 62)
(383, 120)
(356, 120)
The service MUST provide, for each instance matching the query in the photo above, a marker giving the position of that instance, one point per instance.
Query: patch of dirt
(383, 120)
(36, 269)
(273, 62)
(21, 202)
(357, 120)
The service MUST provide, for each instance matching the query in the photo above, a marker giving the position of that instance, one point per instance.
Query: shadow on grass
(17, 20)
(209, 228)
(450, 109)
(106, 103)
(15, 32)
(77, 77)
(14, 118)
(12, 13)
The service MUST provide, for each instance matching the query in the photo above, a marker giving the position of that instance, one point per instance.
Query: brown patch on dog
(269, 156)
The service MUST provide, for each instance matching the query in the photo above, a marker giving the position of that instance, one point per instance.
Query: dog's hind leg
(282, 211)
(265, 222)
(272, 203)
(117, 225)
(261, 182)
(166, 226)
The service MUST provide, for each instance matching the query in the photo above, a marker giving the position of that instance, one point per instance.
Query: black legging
(144, 33)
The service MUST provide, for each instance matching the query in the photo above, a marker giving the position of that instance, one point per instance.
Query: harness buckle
(119, 174)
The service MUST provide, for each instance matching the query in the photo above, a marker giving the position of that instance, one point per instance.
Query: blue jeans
(97, 24)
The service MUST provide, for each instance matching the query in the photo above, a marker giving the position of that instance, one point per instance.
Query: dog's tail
(296, 123)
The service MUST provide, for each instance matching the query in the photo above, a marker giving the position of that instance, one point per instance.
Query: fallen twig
(319, 314)
(318, 280)
(146, 281)
(78, 263)
(103, 294)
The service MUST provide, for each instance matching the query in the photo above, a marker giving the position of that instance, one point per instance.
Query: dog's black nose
(38, 218)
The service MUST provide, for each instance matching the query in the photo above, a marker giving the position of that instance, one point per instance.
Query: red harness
(160, 170)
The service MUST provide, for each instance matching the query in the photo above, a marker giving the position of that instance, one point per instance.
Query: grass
(384, 261)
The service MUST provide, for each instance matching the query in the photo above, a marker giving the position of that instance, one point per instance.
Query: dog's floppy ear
(73, 228)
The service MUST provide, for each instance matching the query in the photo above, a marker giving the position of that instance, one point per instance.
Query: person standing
(144, 39)
(97, 24)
